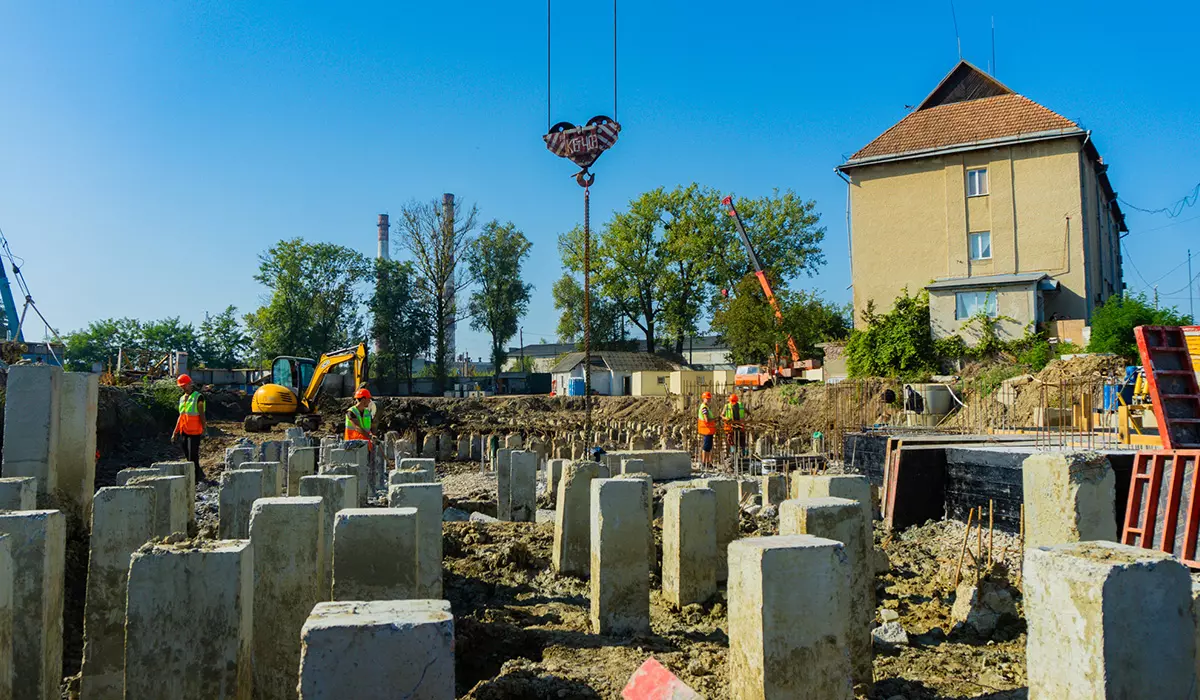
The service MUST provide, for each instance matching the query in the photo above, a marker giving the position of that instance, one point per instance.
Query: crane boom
(761, 274)
(10, 308)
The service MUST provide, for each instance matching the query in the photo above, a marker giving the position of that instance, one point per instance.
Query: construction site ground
(522, 632)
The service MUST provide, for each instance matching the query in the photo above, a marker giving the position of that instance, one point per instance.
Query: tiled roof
(617, 362)
(961, 123)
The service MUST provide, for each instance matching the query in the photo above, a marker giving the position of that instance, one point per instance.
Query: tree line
(664, 267)
(673, 260)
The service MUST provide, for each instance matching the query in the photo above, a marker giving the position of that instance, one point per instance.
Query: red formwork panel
(1163, 512)
(1171, 381)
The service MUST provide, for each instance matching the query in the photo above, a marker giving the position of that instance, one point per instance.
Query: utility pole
(1191, 308)
(521, 340)
(1156, 297)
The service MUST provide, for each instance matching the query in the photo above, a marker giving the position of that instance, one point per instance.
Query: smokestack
(383, 238)
(448, 292)
(382, 254)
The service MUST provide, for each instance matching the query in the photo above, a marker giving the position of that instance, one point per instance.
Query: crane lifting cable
(582, 145)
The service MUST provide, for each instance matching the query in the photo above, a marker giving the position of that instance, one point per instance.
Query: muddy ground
(522, 632)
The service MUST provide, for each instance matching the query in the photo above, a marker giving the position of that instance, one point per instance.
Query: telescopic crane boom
(761, 274)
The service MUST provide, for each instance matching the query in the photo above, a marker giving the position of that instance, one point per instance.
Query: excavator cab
(295, 385)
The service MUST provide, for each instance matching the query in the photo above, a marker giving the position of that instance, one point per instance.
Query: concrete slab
(375, 554)
(631, 465)
(123, 519)
(337, 492)
(302, 462)
(421, 632)
(1107, 621)
(273, 477)
(37, 541)
(240, 488)
(572, 519)
(31, 424)
(1069, 497)
(522, 497)
(788, 612)
(689, 572)
(851, 486)
(359, 459)
(502, 466)
(170, 502)
(554, 470)
(661, 465)
(728, 523)
(620, 562)
(78, 405)
(774, 489)
(7, 581)
(236, 456)
(172, 588)
(407, 476)
(125, 475)
(427, 499)
(18, 493)
(288, 535)
(424, 464)
(188, 471)
(840, 519)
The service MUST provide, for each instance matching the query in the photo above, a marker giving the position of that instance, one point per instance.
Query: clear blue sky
(150, 150)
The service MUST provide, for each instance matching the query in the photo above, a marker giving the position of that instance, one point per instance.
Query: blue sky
(150, 151)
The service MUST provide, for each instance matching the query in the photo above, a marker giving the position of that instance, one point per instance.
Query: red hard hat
(183, 380)
(362, 394)
(733, 398)
(707, 395)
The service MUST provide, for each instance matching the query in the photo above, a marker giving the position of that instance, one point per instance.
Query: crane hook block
(582, 145)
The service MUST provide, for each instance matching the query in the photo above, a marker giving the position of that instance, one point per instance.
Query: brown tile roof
(960, 123)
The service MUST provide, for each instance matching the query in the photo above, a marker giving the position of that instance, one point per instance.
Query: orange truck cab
(752, 376)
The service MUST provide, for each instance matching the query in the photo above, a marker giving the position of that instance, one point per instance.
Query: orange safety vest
(705, 425)
(364, 419)
(189, 414)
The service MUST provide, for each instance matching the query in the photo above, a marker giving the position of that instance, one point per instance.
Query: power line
(1174, 209)
(1134, 266)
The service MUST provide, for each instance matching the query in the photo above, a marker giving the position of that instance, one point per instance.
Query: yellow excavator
(291, 396)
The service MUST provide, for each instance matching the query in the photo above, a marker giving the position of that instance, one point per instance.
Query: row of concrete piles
(302, 581)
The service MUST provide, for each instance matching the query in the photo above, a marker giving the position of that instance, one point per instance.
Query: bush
(1113, 323)
(895, 344)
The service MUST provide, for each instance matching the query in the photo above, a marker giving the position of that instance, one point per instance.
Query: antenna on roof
(957, 38)
(993, 46)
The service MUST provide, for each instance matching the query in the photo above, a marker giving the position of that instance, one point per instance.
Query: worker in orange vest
(707, 427)
(358, 417)
(190, 424)
(734, 420)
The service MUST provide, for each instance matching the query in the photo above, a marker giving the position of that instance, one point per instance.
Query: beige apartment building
(991, 202)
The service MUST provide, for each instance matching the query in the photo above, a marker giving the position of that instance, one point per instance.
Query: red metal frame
(1151, 470)
(1156, 343)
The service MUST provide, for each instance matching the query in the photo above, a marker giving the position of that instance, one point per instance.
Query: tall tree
(608, 332)
(314, 300)
(785, 232)
(400, 318)
(494, 262)
(437, 243)
(748, 324)
(223, 343)
(695, 229)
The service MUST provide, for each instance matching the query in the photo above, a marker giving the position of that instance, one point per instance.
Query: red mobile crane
(756, 376)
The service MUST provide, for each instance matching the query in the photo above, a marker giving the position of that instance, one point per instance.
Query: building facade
(993, 203)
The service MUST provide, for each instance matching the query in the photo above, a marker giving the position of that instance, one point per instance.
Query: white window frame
(987, 299)
(971, 245)
(978, 178)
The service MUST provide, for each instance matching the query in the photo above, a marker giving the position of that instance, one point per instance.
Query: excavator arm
(761, 274)
(356, 355)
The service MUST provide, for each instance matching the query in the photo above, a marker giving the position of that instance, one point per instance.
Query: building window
(980, 245)
(977, 182)
(967, 304)
(662, 380)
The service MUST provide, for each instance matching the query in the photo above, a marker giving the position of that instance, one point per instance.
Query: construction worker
(358, 417)
(707, 427)
(190, 424)
(734, 418)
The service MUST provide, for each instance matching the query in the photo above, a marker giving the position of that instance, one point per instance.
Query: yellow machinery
(295, 385)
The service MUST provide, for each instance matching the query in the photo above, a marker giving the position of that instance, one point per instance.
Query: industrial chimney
(383, 237)
(382, 254)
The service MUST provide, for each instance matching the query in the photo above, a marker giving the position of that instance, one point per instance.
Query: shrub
(895, 344)
(1113, 323)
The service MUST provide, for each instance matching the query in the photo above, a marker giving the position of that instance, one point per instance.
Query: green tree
(437, 243)
(695, 228)
(607, 330)
(399, 319)
(748, 324)
(1113, 323)
(223, 342)
(785, 232)
(314, 300)
(494, 262)
(101, 342)
(896, 344)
